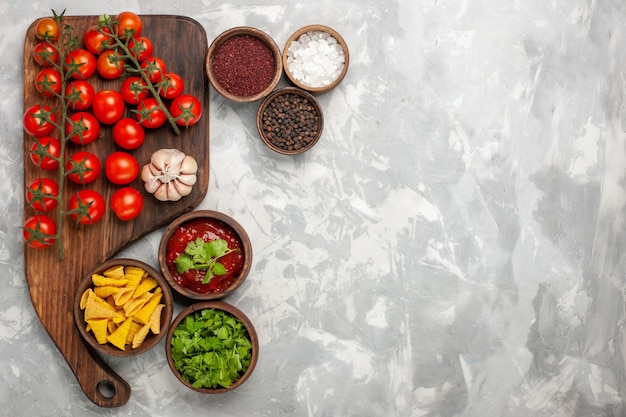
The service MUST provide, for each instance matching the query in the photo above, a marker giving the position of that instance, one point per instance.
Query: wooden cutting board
(181, 42)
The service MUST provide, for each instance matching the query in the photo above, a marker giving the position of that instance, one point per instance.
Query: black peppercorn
(291, 122)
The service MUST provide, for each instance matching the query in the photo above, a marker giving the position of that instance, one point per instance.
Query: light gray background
(452, 246)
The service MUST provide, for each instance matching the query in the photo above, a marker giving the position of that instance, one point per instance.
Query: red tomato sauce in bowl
(207, 229)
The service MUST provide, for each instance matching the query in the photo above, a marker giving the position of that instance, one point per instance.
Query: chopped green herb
(203, 255)
(211, 349)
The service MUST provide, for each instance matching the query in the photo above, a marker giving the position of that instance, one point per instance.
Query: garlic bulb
(170, 175)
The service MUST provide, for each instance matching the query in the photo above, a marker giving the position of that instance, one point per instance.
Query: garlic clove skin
(188, 179)
(182, 189)
(188, 165)
(161, 193)
(151, 182)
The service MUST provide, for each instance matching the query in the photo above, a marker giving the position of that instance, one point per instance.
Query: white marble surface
(451, 247)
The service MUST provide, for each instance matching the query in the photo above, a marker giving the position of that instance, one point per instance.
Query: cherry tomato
(48, 82)
(133, 90)
(96, 39)
(87, 207)
(110, 64)
(186, 109)
(79, 94)
(41, 194)
(39, 120)
(121, 168)
(45, 153)
(47, 29)
(171, 86)
(83, 167)
(108, 106)
(80, 64)
(155, 68)
(128, 24)
(45, 54)
(127, 203)
(128, 133)
(39, 231)
(149, 114)
(82, 128)
(140, 47)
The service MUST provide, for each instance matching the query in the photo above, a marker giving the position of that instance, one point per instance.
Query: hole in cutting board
(106, 388)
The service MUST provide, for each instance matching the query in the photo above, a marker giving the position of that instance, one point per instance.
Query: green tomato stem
(137, 68)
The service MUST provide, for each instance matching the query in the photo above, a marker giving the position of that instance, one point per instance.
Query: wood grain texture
(181, 42)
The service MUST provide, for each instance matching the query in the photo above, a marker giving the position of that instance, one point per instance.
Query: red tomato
(128, 24)
(133, 90)
(108, 106)
(82, 128)
(155, 68)
(128, 133)
(87, 207)
(42, 194)
(47, 29)
(80, 64)
(39, 231)
(121, 168)
(83, 167)
(149, 114)
(48, 82)
(45, 153)
(45, 54)
(39, 120)
(110, 64)
(171, 86)
(186, 109)
(96, 39)
(79, 94)
(127, 203)
(140, 47)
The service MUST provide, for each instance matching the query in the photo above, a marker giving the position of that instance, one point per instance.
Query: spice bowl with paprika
(244, 64)
(316, 58)
(212, 347)
(290, 121)
(205, 255)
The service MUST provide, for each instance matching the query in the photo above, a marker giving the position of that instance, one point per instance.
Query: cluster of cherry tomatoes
(87, 109)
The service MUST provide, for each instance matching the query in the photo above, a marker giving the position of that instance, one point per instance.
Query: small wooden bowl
(321, 28)
(233, 311)
(221, 220)
(241, 31)
(152, 339)
(262, 128)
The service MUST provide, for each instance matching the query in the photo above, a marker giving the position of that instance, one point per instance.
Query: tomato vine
(63, 59)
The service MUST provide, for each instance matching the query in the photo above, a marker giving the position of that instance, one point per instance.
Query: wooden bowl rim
(266, 102)
(230, 309)
(152, 339)
(334, 34)
(230, 222)
(244, 30)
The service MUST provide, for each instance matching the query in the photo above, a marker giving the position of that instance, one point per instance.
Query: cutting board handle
(99, 382)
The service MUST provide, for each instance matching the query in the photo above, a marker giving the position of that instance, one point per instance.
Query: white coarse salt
(315, 59)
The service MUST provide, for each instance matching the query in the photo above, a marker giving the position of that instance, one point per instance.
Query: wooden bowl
(151, 339)
(294, 37)
(239, 97)
(231, 310)
(267, 118)
(213, 223)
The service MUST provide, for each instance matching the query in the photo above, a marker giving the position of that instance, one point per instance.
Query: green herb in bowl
(211, 348)
(203, 255)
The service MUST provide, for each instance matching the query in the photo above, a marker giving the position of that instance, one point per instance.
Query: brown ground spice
(244, 65)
